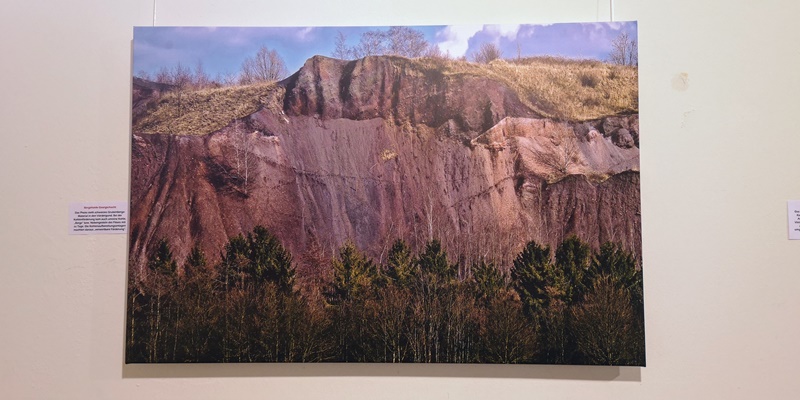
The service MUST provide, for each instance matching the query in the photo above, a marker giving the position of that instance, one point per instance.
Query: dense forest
(568, 306)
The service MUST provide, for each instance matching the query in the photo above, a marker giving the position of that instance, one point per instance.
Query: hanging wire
(600, 6)
(611, 9)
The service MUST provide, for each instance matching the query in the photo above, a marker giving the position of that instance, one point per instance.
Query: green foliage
(348, 295)
(400, 265)
(271, 262)
(433, 262)
(545, 290)
(561, 298)
(572, 307)
(196, 263)
(353, 273)
(573, 258)
(195, 260)
(257, 259)
(531, 274)
(235, 262)
(244, 310)
(620, 265)
(489, 281)
(161, 260)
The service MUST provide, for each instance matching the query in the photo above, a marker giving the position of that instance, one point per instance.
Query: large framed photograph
(405, 194)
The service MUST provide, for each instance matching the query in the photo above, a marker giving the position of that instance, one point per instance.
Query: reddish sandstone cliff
(376, 149)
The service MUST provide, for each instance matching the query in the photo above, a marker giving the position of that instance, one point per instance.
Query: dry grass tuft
(204, 111)
(556, 87)
(388, 155)
(560, 88)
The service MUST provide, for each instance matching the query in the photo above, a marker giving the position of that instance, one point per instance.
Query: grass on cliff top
(199, 112)
(555, 87)
(565, 89)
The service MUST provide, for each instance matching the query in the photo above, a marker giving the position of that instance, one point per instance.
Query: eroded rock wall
(373, 150)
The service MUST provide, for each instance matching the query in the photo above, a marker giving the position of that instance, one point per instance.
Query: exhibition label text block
(98, 218)
(794, 219)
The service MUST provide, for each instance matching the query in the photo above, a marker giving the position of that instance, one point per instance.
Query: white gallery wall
(720, 156)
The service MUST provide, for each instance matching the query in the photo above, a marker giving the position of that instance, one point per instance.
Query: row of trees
(402, 41)
(266, 65)
(411, 43)
(398, 41)
(183, 76)
(572, 306)
(624, 51)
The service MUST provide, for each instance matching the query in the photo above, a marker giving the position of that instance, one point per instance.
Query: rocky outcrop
(393, 88)
(373, 150)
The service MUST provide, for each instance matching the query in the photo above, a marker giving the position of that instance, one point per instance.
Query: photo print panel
(420, 194)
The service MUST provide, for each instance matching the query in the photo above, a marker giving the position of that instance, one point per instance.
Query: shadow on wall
(560, 372)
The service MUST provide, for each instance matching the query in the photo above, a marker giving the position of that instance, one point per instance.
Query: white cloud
(304, 34)
(527, 31)
(454, 39)
(507, 31)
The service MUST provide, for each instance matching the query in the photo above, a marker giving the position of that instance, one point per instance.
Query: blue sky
(221, 50)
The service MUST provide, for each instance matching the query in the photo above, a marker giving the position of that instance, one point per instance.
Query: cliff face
(375, 149)
(395, 89)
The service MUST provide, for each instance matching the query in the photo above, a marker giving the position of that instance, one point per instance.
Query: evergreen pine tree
(573, 259)
(269, 260)
(161, 260)
(233, 268)
(531, 274)
(621, 266)
(195, 262)
(400, 264)
(353, 273)
(433, 261)
(489, 281)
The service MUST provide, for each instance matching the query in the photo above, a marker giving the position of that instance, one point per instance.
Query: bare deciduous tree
(200, 80)
(565, 152)
(488, 52)
(226, 79)
(163, 76)
(340, 50)
(266, 66)
(398, 40)
(243, 144)
(372, 43)
(624, 50)
(605, 324)
(406, 42)
(181, 76)
(434, 51)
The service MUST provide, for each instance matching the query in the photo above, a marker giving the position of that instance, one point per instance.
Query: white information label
(794, 219)
(98, 218)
